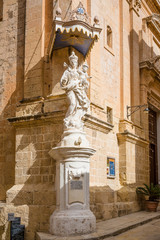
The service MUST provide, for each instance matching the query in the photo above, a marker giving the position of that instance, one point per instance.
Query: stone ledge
(110, 227)
(57, 117)
(130, 137)
(97, 124)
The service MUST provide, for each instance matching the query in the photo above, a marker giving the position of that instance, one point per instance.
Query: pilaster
(135, 26)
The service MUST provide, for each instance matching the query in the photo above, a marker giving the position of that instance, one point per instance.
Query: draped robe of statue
(75, 84)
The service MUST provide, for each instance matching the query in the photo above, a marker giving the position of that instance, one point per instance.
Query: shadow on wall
(34, 195)
(13, 93)
(139, 161)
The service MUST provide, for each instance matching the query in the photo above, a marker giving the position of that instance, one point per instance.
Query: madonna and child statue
(74, 82)
(72, 155)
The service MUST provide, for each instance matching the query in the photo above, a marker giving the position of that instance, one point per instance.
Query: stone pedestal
(73, 215)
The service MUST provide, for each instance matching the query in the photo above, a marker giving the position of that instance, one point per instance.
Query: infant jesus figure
(83, 77)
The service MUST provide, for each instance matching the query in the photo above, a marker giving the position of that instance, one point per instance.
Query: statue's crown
(73, 56)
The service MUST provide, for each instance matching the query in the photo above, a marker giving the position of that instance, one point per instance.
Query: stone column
(72, 215)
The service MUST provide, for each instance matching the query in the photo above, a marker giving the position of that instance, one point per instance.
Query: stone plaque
(76, 191)
(76, 185)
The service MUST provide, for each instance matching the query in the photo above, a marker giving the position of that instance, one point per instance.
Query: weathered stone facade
(125, 71)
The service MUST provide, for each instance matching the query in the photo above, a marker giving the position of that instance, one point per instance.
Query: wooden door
(153, 147)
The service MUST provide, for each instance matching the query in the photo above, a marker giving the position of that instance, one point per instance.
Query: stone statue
(72, 154)
(74, 82)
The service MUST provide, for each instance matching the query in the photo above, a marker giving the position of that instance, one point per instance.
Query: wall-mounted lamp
(133, 109)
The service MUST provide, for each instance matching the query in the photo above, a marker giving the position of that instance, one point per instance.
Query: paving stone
(112, 227)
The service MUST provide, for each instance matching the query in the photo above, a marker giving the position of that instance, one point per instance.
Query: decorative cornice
(38, 119)
(154, 5)
(153, 22)
(133, 138)
(157, 3)
(97, 124)
(152, 64)
(154, 101)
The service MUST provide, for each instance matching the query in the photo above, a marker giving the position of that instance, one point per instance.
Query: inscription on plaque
(76, 185)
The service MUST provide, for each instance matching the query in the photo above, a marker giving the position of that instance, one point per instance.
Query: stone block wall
(33, 195)
(107, 203)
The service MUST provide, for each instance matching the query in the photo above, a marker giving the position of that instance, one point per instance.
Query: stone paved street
(144, 225)
(149, 231)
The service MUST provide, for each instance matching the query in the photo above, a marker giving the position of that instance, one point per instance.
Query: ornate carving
(154, 16)
(76, 173)
(79, 14)
(96, 21)
(74, 83)
(58, 11)
(135, 4)
(78, 143)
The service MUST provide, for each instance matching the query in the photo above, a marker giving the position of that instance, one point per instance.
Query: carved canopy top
(79, 14)
(75, 31)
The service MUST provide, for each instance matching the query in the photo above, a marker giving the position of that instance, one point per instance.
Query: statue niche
(74, 83)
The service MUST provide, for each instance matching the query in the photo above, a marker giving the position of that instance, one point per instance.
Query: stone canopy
(75, 32)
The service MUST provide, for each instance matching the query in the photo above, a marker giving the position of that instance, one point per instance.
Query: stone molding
(157, 3)
(54, 117)
(154, 5)
(153, 22)
(154, 101)
(57, 117)
(97, 124)
(153, 65)
(133, 138)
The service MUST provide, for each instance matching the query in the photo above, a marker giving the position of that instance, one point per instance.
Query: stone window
(1, 10)
(109, 115)
(109, 36)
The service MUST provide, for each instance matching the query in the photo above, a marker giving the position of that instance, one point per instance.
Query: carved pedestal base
(72, 216)
(72, 222)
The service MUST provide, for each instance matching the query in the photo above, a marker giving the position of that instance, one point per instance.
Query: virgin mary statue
(74, 82)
